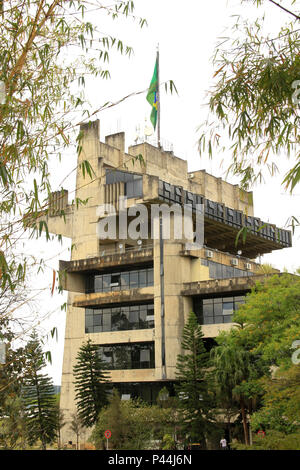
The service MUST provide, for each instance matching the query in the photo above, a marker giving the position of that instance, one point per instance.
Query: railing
(220, 213)
(124, 250)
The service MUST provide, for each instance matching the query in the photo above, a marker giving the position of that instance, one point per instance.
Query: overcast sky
(187, 33)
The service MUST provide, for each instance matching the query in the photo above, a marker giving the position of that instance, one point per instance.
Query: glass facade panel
(98, 284)
(134, 279)
(128, 356)
(216, 310)
(129, 317)
(106, 283)
(228, 308)
(124, 280)
(107, 320)
(119, 281)
(221, 271)
(142, 278)
(150, 277)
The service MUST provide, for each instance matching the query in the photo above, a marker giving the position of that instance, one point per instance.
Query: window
(134, 317)
(129, 317)
(123, 280)
(128, 356)
(134, 279)
(142, 278)
(107, 320)
(227, 308)
(115, 280)
(221, 271)
(216, 310)
(150, 277)
(98, 284)
(106, 283)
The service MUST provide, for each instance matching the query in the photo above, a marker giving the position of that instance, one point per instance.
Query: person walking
(223, 444)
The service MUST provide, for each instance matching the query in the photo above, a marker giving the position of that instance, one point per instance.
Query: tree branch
(285, 9)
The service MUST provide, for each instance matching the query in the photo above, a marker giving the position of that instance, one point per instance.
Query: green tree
(91, 385)
(134, 425)
(45, 47)
(76, 426)
(264, 341)
(255, 102)
(38, 396)
(280, 409)
(235, 373)
(12, 424)
(273, 440)
(195, 401)
(60, 423)
(271, 318)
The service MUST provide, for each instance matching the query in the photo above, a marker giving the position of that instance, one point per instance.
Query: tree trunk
(245, 425)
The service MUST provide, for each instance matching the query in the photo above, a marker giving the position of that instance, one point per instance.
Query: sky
(187, 33)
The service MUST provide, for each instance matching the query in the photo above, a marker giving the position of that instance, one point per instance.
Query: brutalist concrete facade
(180, 278)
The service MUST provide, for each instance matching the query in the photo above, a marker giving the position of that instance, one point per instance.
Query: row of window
(119, 281)
(128, 356)
(217, 310)
(221, 271)
(132, 317)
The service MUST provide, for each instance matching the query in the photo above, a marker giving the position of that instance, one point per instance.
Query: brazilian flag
(152, 96)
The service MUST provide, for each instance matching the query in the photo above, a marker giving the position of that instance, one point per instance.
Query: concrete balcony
(73, 273)
(220, 286)
(144, 294)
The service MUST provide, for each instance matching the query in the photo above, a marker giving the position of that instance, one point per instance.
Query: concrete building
(132, 296)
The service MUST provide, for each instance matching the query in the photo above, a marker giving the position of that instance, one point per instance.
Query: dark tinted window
(128, 356)
(129, 317)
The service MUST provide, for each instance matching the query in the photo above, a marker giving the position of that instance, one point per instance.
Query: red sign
(107, 434)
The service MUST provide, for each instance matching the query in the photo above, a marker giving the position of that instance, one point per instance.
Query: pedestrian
(223, 444)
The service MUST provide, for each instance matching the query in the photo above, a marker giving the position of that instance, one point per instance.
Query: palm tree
(232, 367)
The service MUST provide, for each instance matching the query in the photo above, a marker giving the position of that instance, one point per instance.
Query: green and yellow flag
(152, 96)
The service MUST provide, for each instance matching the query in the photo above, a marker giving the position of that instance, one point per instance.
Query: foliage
(12, 424)
(253, 362)
(281, 403)
(38, 396)
(134, 424)
(76, 426)
(255, 100)
(45, 48)
(235, 371)
(90, 383)
(11, 373)
(195, 401)
(168, 442)
(273, 440)
(60, 423)
(271, 318)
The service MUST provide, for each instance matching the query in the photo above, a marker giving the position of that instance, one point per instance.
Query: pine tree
(38, 396)
(90, 383)
(192, 389)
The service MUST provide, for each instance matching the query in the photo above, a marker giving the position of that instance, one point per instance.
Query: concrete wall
(178, 269)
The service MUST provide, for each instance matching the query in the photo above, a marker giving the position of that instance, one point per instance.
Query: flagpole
(158, 100)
